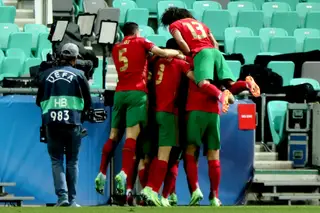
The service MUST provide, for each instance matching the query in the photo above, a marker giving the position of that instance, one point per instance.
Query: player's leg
(168, 137)
(117, 122)
(204, 64)
(135, 116)
(248, 84)
(196, 126)
(212, 140)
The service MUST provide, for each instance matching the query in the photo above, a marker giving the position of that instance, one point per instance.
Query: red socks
(128, 158)
(143, 176)
(107, 152)
(238, 87)
(170, 180)
(157, 173)
(211, 90)
(192, 171)
(214, 174)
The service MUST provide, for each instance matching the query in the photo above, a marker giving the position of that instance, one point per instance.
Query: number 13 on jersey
(197, 30)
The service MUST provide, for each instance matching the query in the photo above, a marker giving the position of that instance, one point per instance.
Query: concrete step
(292, 183)
(293, 196)
(25, 14)
(290, 175)
(259, 148)
(273, 164)
(22, 21)
(10, 2)
(266, 156)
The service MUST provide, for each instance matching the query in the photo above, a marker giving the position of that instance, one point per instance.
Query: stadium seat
(5, 31)
(1, 58)
(284, 68)
(11, 67)
(313, 1)
(189, 3)
(123, 5)
(291, 3)
(231, 33)
(257, 3)
(43, 43)
(194, 14)
(152, 6)
(146, 31)
(282, 45)
(138, 15)
(235, 7)
(312, 20)
(310, 69)
(269, 8)
(311, 44)
(1, 3)
(93, 6)
(250, 19)
(286, 20)
(304, 8)
(7, 14)
(301, 34)
(16, 53)
(30, 62)
(266, 33)
(277, 116)
(200, 6)
(120, 35)
(164, 32)
(35, 30)
(163, 5)
(217, 27)
(313, 82)
(78, 6)
(62, 9)
(235, 67)
(158, 40)
(249, 52)
(21, 40)
(44, 54)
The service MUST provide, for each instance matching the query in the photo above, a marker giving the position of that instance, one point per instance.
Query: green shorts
(203, 127)
(168, 129)
(129, 109)
(208, 61)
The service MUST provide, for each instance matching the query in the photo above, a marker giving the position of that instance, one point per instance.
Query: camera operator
(63, 96)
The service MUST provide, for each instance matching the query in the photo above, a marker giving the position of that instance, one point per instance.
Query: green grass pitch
(239, 209)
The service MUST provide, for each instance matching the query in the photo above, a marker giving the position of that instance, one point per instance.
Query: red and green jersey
(130, 59)
(168, 74)
(198, 101)
(195, 34)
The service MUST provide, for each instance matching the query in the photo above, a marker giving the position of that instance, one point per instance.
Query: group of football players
(168, 112)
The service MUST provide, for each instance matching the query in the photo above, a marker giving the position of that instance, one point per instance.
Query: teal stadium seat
(200, 6)
(266, 33)
(313, 82)
(282, 45)
(313, 1)
(30, 62)
(250, 19)
(284, 68)
(269, 8)
(189, 3)
(43, 43)
(44, 54)
(11, 67)
(231, 33)
(257, 3)
(286, 20)
(217, 27)
(146, 31)
(158, 40)
(1, 57)
(311, 44)
(123, 5)
(235, 7)
(164, 32)
(152, 6)
(194, 14)
(301, 34)
(138, 15)
(5, 31)
(1, 3)
(21, 40)
(277, 116)
(7, 14)
(235, 67)
(304, 8)
(163, 5)
(312, 20)
(35, 30)
(249, 52)
(291, 3)
(16, 53)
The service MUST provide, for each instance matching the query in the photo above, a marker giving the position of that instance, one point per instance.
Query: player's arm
(214, 41)
(180, 41)
(166, 53)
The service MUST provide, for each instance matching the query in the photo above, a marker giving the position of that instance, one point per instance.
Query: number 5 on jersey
(123, 59)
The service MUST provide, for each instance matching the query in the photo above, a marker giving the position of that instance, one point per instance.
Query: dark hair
(172, 44)
(173, 14)
(130, 28)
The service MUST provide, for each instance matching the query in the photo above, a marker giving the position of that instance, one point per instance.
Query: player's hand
(181, 56)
